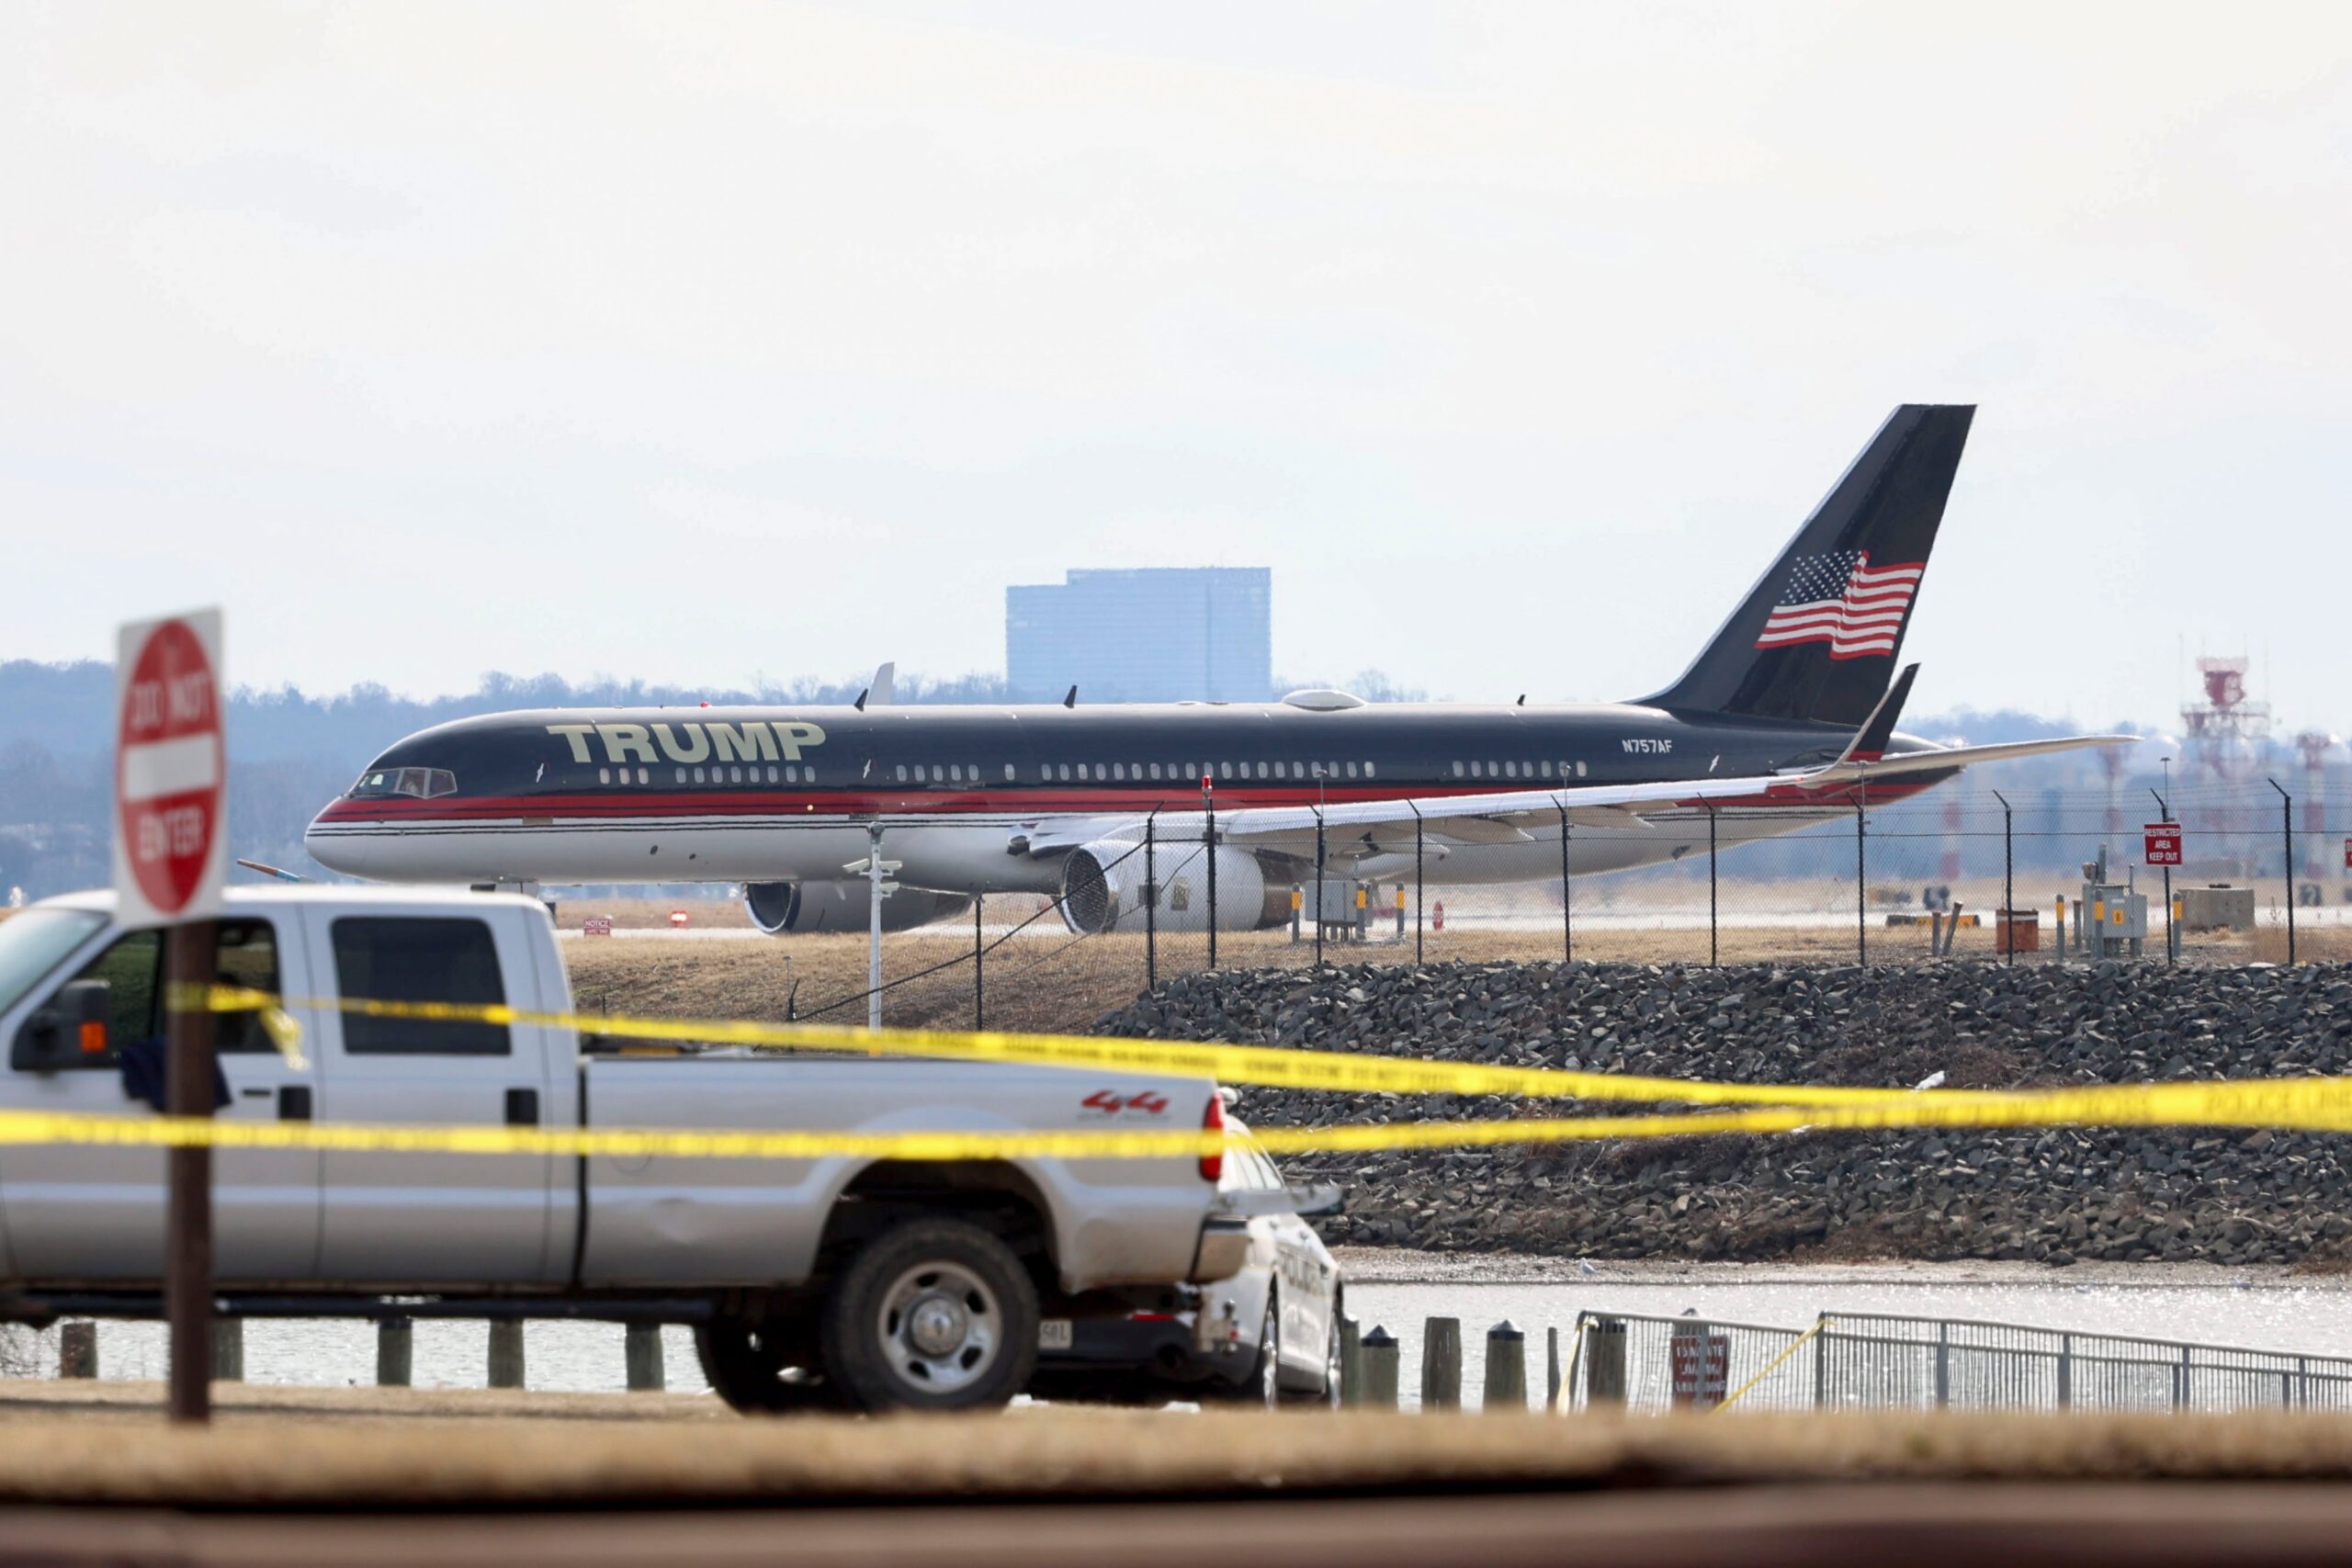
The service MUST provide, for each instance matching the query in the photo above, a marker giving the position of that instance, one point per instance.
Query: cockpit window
(424, 783)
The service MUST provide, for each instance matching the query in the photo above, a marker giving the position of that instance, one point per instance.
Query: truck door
(90, 1211)
(416, 1219)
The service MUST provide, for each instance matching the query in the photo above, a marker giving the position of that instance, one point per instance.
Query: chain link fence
(1879, 1361)
(1958, 873)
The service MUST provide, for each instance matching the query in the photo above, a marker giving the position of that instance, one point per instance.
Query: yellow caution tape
(1267, 1065)
(2304, 1104)
(2301, 1104)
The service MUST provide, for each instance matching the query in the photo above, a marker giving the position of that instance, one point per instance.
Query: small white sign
(170, 840)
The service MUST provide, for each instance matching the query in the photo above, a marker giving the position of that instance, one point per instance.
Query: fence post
(2065, 1371)
(1861, 881)
(642, 1358)
(1820, 1360)
(1943, 1365)
(2287, 805)
(2009, 880)
(1318, 881)
(1351, 1361)
(1417, 883)
(1505, 1386)
(979, 987)
(78, 1351)
(1380, 1369)
(1605, 1361)
(506, 1352)
(395, 1352)
(1568, 899)
(1151, 901)
(1208, 850)
(2180, 1381)
(228, 1349)
(1568, 929)
(1715, 949)
(1442, 1364)
(1552, 1368)
(2301, 1394)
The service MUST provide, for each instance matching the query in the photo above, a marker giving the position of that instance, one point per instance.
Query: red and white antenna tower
(2222, 729)
(2222, 733)
(2311, 811)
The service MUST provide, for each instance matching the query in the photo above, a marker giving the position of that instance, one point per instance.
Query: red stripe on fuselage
(617, 806)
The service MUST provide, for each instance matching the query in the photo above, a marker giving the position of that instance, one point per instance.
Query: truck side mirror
(1315, 1203)
(72, 1029)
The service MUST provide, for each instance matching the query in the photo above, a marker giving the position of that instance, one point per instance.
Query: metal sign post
(875, 869)
(2160, 842)
(170, 861)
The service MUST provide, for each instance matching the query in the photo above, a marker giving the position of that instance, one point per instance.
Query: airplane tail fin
(1817, 638)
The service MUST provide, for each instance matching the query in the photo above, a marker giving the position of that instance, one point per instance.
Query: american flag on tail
(1839, 598)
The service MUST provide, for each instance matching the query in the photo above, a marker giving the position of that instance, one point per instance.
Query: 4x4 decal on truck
(1111, 1104)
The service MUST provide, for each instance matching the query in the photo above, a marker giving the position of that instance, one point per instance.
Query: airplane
(1786, 718)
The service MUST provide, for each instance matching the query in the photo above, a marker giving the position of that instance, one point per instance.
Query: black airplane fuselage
(749, 794)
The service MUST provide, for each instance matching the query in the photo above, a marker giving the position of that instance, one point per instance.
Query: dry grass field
(1047, 979)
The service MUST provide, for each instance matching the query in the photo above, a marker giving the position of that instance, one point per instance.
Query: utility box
(1331, 902)
(2017, 930)
(2217, 906)
(2112, 921)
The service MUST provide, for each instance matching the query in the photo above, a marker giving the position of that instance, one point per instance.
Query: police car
(1268, 1334)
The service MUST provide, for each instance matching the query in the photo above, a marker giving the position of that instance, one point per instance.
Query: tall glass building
(1151, 635)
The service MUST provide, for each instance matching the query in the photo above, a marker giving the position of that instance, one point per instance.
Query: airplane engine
(778, 908)
(1103, 889)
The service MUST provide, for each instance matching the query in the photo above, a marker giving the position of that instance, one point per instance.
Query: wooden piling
(1380, 1357)
(642, 1351)
(506, 1352)
(1505, 1388)
(78, 1351)
(1350, 1360)
(395, 1352)
(228, 1349)
(1604, 1360)
(1442, 1364)
(1552, 1368)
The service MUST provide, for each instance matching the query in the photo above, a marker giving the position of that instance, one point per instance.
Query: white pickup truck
(868, 1284)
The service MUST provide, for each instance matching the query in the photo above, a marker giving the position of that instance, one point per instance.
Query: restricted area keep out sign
(2162, 843)
(170, 771)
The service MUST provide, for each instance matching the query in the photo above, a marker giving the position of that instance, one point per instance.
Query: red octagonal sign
(170, 769)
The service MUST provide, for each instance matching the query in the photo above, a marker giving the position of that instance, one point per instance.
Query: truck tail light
(1213, 1121)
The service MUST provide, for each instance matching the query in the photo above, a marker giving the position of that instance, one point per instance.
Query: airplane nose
(336, 846)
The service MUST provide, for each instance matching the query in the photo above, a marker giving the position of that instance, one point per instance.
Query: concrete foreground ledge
(360, 1449)
(1918, 1525)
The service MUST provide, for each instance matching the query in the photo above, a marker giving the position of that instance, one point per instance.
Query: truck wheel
(760, 1369)
(932, 1314)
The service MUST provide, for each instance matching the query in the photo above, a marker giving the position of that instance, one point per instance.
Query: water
(565, 1357)
(2265, 1311)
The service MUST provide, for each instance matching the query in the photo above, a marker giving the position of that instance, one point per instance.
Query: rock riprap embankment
(2053, 1195)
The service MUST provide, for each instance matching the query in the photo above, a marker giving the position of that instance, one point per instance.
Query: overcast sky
(704, 341)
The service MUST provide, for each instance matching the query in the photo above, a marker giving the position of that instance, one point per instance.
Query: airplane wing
(1355, 831)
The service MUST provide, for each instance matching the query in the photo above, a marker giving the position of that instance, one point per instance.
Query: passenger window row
(1518, 770)
(1185, 772)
